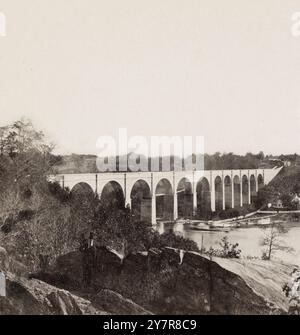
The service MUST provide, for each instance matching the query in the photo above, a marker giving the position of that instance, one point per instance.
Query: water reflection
(249, 239)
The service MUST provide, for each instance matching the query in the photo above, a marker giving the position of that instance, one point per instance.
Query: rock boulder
(116, 304)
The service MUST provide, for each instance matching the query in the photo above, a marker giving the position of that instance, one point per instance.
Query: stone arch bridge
(174, 194)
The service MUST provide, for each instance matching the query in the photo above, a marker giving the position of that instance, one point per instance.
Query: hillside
(288, 180)
(283, 188)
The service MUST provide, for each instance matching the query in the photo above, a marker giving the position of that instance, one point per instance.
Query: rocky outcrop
(9, 264)
(138, 260)
(108, 256)
(292, 291)
(34, 297)
(172, 256)
(4, 261)
(154, 259)
(170, 281)
(116, 304)
(64, 303)
(68, 271)
(26, 295)
(265, 278)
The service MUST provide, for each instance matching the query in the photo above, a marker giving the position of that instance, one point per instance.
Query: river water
(248, 238)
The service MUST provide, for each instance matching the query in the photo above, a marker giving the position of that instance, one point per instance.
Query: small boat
(221, 225)
(209, 228)
(225, 230)
(194, 222)
(264, 221)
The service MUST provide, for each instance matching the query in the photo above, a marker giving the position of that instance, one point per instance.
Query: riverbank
(258, 217)
(226, 225)
(249, 237)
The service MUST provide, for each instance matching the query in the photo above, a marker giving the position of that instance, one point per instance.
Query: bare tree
(273, 241)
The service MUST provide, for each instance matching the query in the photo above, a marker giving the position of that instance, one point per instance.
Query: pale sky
(225, 70)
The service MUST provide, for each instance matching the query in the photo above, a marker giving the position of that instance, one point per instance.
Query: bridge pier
(194, 201)
(127, 192)
(256, 182)
(232, 191)
(241, 189)
(153, 209)
(249, 189)
(127, 200)
(223, 191)
(213, 198)
(175, 207)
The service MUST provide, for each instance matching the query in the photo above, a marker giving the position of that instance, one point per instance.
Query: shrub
(8, 225)
(296, 216)
(171, 240)
(26, 214)
(228, 250)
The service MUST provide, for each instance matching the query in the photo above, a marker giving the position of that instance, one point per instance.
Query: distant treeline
(217, 161)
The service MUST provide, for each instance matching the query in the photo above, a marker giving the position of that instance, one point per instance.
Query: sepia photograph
(149, 160)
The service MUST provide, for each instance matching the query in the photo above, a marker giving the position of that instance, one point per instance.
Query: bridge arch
(164, 199)
(185, 198)
(82, 189)
(82, 194)
(218, 193)
(237, 191)
(112, 195)
(203, 198)
(140, 196)
(228, 192)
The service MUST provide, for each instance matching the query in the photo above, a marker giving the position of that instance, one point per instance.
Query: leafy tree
(260, 156)
(35, 219)
(24, 163)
